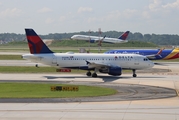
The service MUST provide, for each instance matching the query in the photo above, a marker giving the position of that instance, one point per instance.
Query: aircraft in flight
(93, 39)
(112, 64)
(151, 54)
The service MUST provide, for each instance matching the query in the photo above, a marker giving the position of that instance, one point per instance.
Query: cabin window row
(95, 59)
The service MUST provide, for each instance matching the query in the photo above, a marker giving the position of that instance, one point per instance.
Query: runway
(131, 109)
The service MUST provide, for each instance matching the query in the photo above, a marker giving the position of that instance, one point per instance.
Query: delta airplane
(151, 54)
(93, 39)
(111, 64)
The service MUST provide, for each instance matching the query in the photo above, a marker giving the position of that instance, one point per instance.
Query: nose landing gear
(134, 74)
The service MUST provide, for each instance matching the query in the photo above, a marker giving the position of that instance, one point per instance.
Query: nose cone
(73, 37)
(151, 64)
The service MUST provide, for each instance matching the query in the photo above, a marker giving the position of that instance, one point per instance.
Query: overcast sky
(60, 16)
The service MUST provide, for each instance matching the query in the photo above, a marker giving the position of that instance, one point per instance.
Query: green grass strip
(26, 69)
(10, 57)
(42, 90)
(33, 69)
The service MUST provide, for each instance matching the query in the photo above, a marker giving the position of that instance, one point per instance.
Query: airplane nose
(72, 37)
(151, 64)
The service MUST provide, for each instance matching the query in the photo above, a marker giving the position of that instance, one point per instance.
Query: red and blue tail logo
(124, 36)
(36, 45)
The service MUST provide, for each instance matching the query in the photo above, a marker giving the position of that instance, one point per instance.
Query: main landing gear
(88, 73)
(134, 74)
(93, 75)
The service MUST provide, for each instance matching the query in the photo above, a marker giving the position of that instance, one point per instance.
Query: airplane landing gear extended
(93, 75)
(134, 74)
(88, 73)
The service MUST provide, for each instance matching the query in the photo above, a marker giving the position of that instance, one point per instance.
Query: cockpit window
(145, 59)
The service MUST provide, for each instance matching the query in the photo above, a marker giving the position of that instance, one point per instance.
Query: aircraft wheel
(88, 73)
(94, 75)
(134, 75)
(36, 65)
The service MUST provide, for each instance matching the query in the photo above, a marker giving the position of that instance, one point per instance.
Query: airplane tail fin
(160, 51)
(36, 45)
(124, 35)
(153, 56)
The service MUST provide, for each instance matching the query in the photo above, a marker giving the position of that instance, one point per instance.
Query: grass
(42, 90)
(10, 57)
(32, 69)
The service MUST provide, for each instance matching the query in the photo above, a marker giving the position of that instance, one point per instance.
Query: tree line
(162, 39)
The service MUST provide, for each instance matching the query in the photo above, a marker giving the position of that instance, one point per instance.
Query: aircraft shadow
(103, 78)
(112, 78)
(161, 64)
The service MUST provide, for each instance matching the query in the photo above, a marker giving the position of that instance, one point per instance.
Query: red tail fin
(36, 45)
(124, 36)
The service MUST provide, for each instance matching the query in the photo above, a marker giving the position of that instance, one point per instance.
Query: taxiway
(166, 108)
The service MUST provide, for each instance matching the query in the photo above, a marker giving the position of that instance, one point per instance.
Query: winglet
(124, 35)
(36, 45)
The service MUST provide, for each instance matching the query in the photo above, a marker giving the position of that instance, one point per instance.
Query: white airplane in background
(111, 64)
(93, 39)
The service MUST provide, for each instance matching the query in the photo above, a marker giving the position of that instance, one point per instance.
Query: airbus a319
(112, 64)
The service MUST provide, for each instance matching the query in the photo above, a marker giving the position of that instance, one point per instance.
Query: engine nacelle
(112, 71)
(91, 41)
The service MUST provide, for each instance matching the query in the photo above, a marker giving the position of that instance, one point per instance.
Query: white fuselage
(78, 60)
(96, 38)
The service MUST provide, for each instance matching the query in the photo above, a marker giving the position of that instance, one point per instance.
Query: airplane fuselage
(79, 61)
(94, 39)
(111, 64)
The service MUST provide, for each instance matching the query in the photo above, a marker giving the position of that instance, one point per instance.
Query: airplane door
(136, 62)
(54, 60)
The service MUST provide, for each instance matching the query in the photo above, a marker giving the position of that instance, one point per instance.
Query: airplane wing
(98, 65)
(151, 57)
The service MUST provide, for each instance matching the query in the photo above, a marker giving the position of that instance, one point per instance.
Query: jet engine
(116, 71)
(91, 41)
